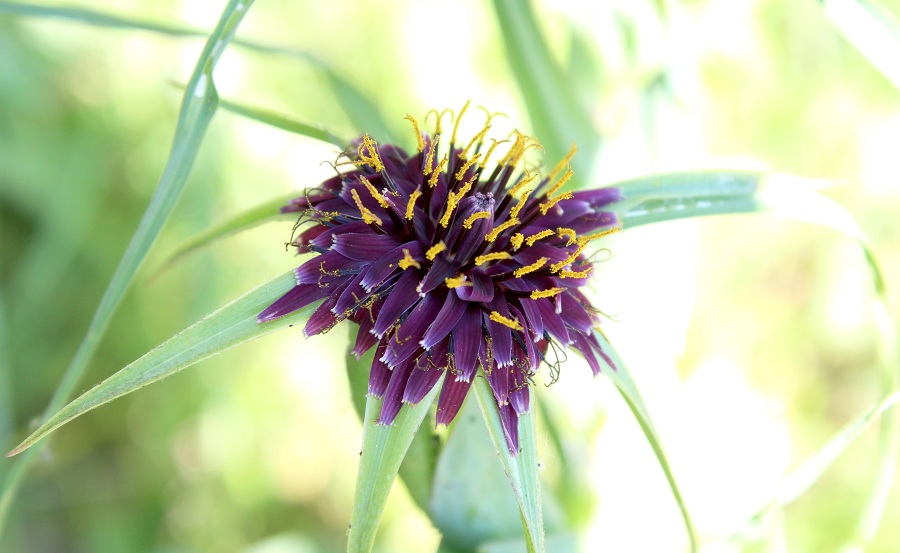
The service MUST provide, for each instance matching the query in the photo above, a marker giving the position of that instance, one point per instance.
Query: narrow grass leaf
(284, 123)
(197, 108)
(556, 114)
(221, 330)
(521, 470)
(620, 376)
(872, 29)
(383, 450)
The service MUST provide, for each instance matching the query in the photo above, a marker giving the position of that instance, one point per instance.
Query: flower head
(453, 257)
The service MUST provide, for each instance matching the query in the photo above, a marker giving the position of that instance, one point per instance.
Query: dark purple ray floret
(450, 261)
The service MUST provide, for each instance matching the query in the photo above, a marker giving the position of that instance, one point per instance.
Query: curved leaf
(230, 326)
(383, 450)
(284, 123)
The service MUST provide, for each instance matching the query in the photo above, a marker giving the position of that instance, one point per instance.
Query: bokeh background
(751, 338)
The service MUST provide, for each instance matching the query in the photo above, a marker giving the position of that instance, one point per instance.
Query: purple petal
(393, 396)
(322, 319)
(402, 297)
(581, 344)
(520, 399)
(453, 393)
(500, 379)
(296, 298)
(364, 246)
(365, 339)
(481, 290)
(467, 340)
(405, 340)
(441, 269)
(510, 421)
(552, 321)
(381, 269)
(323, 267)
(462, 241)
(420, 383)
(325, 239)
(499, 332)
(599, 197)
(444, 321)
(574, 313)
(380, 374)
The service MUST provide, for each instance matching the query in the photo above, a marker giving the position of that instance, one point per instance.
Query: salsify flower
(449, 261)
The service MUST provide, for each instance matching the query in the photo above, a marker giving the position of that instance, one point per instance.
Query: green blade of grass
(221, 330)
(620, 376)
(197, 108)
(521, 470)
(284, 123)
(556, 114)
(383, 450)
(872, 29)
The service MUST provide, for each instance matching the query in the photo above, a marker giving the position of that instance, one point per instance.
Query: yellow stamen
(505, 321)
(564, 232)
(429, 156)
(514, 212)
(559, 184)
(469, 163)
(522, 271)
(408, 261)
(563, 162)
(467, 224)
(412, 204)
(538, 294)
(575, 274)
(495, 256)
(367, 215)
(477, 138)
(591, 237)
(456, 282)
(368, 153)
(555, 268)
(434, 250)
(453, 200)
(537, 236)
(548, 205)
(432, 182)
(375, 193)
(490, 151)
(420, 142)
(516, 240)
(516, 151)
(458, 119)
(514, 191)
(491, 236)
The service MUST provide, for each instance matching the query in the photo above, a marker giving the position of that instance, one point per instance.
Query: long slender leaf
(521, 470)
(872, 29)
(197, 108)
(221, 330)
(553, 106)
(284, 123)
(625, 384)
(383, 450)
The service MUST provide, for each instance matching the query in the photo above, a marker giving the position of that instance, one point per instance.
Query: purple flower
(451, 258)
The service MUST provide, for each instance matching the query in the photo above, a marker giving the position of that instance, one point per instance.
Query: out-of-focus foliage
(756, 348)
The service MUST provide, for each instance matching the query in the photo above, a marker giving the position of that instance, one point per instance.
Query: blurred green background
(751, 338)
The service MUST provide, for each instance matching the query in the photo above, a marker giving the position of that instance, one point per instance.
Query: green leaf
(223, 329)
(197, 108)
(521, 470)
(872, 29)
(263, 213)
(284, 123)
(383, 450)
(620, 376)
(556, 114)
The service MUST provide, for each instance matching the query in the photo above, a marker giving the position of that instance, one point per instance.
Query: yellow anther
(516, 151)
(559, 184)
(458, 119)
(575, 274)
(514, 212)
(465, 167)
(514, 191)
(516, 240)
(495, 256)
(467, 224)
(408, 261)
(420, 141)
(490, 151)
(555, 268)
(432, 182)
(368, 153)
(453, 200)
(568, 233)
(591, 237)
(434, 250)
(429, 156)
(522, 271)
(457, 281)
(475, 139)
(505, 321)
(375, 193)
(491, 236)
(538, 294)
(411, 205)
(538, 236)
(367, 215)
(548, 205)
(564, 161)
